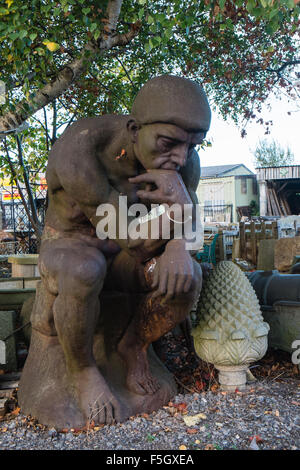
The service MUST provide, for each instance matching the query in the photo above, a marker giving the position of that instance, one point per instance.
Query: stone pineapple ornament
(230, 332)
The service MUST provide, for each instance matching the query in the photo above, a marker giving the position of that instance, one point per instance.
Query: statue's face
(165, 146)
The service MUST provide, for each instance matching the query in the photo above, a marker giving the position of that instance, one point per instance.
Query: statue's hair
(172, 99)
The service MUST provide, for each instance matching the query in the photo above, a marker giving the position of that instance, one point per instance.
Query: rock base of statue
(46, 391)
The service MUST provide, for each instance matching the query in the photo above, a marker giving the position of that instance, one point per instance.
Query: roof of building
(221, 170)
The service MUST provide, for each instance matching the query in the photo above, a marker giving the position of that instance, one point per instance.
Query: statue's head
(170, 116)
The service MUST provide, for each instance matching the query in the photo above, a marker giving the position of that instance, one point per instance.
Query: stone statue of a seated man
(103, 302)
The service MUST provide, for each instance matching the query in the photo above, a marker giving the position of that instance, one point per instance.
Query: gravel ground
(270, 410)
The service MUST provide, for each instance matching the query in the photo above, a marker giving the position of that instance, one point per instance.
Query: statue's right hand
(170, 187)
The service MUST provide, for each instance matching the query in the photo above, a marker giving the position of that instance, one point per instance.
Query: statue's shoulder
(85, 134)
(96, 126)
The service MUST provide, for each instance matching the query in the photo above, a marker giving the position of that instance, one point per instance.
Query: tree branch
(284, 65)
(34, 218)
(71, 71)
(14, 175)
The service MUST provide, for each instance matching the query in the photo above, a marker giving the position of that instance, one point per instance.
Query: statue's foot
(139, 379)
(96, 400)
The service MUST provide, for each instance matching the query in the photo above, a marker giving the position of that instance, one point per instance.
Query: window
(244, 184)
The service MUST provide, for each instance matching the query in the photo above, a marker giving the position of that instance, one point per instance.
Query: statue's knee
(90, 270)
(84, 276)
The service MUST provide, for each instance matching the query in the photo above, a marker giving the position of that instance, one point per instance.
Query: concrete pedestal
(24, 265)
(232, 377)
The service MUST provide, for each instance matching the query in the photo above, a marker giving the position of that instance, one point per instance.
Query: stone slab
(2, 352)
(11, 283)
(30, 283)
(7, 326)
(236, 248)
(23, 259)
(284, 252)
(265, 259)
(24, 270)
(14, 298)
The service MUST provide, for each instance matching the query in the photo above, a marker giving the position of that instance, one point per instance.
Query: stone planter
(24, 265)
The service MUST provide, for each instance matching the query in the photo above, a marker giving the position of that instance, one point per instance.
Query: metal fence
(15, 222)
(218, 213)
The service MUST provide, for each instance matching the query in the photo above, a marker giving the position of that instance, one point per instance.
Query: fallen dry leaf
(197, 441)
(257, 438)
(214, 387)
(16, 411)
(193, 420)
(277, 413)
(209, 447)
(182, 447)
(200, 385)
(180, 406)
(191, 431)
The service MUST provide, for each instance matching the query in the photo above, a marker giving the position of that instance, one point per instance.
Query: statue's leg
(155, 317)
(75, 273)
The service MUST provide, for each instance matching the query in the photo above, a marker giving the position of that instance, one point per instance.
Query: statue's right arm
(84, 178)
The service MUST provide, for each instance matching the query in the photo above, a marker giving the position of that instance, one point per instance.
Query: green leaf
(14, 36)
(96, 35)
(22, 34)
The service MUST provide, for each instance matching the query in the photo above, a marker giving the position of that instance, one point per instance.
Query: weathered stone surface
(19, 283)
(7, 326)
(2, 352)
(23, 259)
(232, 377)
(284, 252)
(11, 283)
(45, 373)
(75, 365)
(265, 260)
(14, 298)
(236, 248)
(24, 265)
(25, 318)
